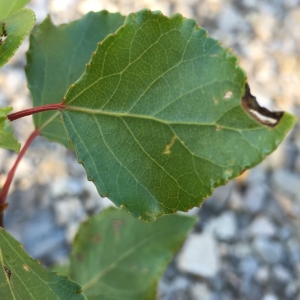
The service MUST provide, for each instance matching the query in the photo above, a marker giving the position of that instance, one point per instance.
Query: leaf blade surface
(22, 277)
(118, 257)
(157, 120)
(9, 7)
(56, 59)
(17, 27)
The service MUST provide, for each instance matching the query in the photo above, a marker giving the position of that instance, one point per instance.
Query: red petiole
(12, 117)
(10, 176)
(34, 110)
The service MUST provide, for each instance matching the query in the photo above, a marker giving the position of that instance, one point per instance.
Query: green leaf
(9, 7)
(16, 28)
(57, 57)
(156, 118)
(7, 139)
(115, 256)
(22, 277)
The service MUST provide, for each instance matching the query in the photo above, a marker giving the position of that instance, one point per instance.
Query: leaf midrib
(95, 111)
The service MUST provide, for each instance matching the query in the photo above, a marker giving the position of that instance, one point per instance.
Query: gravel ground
(246, 244)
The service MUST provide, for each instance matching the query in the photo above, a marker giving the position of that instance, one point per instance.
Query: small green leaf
(115, 256)
(22, 277)
(7, 139)
(9, 7)
(57, 57)
(16, 29)
(156, 118)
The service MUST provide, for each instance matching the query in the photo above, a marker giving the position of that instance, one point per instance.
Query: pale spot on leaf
(26, 268)
(168, 147)
(228, 95)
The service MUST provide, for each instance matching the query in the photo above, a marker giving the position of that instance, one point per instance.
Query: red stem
(34, 110)
(10, 176)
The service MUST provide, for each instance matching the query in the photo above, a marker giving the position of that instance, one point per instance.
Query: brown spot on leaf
(79, 257)
(216, 101)
(218, 128)
(117, 226)
(4, 33)
(167, 149)
(260, 114)
(96, 238)
(8, 272)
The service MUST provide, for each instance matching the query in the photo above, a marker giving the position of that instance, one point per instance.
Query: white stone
(250, 3)
(262, 275)
(180, 283)
(241, 250)
(290, 3)
(254, 198)
(282, 274)
(269, 297)
(230, 19)
(235, 201)
(224, 227)
(200, 291)
(58, 6)
(270, 251)
(263, 226)
(287, 182)
(69, 210)
(66, 186)
(199, 256)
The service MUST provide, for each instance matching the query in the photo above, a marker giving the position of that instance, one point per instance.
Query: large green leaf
(7, 139)
(22, 277)
(115, 256)
(57, 57)
(156, 119)
(16, 28)
(9, 7)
